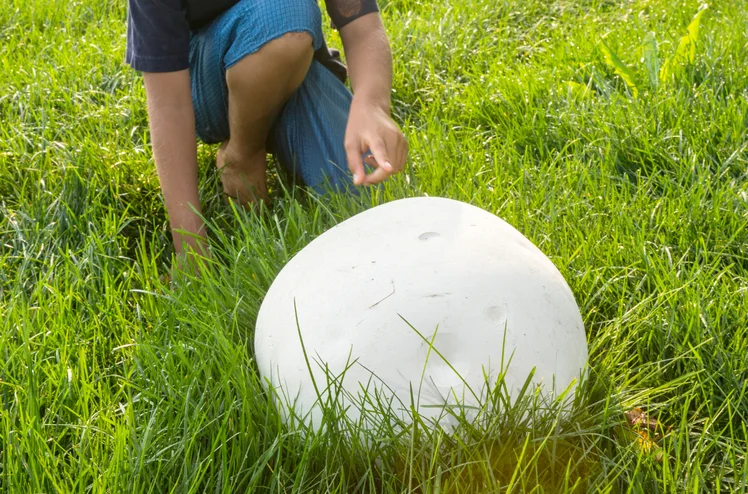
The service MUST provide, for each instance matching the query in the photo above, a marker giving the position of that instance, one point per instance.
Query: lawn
(557, 116)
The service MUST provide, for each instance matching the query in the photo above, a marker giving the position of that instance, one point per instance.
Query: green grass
(112, 382)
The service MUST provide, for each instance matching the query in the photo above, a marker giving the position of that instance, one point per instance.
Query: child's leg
(309, 134)
(258, 85)
(244, 67)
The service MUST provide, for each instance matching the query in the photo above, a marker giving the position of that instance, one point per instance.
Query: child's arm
(172, 123)
(369, 62)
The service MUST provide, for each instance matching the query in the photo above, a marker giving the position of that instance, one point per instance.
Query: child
(257, 77)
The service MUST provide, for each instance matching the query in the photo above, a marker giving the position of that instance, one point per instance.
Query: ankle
(242, 174)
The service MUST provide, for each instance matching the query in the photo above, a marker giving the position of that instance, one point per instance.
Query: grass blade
(620, 68)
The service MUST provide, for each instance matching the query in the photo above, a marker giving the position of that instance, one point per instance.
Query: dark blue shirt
(158, 31)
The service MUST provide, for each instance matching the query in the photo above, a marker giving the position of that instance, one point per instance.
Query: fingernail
(388, 165)
(355, 179)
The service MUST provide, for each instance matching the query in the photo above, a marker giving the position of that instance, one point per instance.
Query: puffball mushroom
(422, 300)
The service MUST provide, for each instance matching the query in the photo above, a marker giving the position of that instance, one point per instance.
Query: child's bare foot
(243, 176)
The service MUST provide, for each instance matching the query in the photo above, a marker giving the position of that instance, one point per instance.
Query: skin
(258, 86)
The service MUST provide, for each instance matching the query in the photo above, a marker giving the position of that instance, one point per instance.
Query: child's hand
(370, 129)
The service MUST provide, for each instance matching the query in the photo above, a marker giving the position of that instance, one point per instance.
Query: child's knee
(282, 63)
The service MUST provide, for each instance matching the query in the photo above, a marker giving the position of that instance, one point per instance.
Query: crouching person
(256, 76)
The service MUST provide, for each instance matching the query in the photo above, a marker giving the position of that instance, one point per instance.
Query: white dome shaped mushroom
(457, 274)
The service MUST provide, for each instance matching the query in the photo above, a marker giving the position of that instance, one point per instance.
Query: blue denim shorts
(307, 137)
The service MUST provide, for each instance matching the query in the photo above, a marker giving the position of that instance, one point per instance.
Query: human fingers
(355, 161)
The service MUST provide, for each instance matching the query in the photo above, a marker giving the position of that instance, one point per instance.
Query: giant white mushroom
(421, 300)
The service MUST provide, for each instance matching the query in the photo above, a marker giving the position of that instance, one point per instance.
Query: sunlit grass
(111, 381)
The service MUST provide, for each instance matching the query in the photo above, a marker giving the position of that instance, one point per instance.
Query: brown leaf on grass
(641, 425)
(637, 416)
